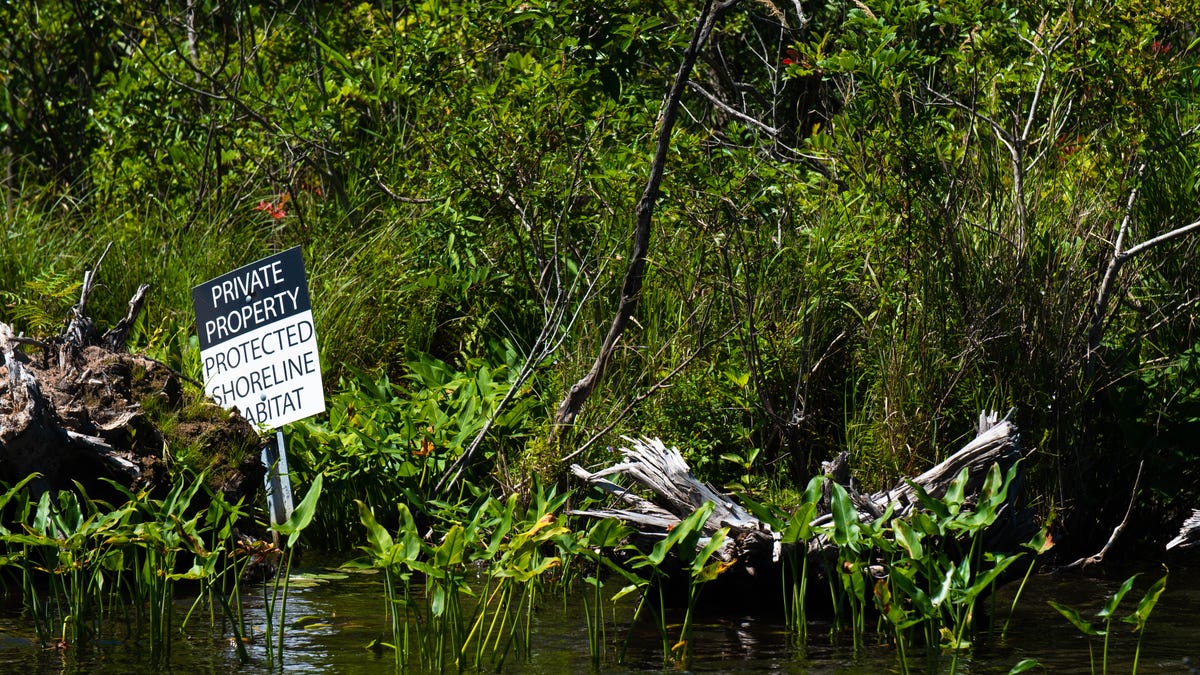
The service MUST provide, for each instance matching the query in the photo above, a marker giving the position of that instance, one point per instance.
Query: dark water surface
(343, 613)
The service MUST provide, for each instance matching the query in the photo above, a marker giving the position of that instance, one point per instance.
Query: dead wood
(631, 286)
(662, 492)
(1098, 557)
(1189, 533)
(663, 471)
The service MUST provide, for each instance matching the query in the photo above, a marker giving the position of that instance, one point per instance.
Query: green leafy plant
(1139, 617)
(452, 620)
(300, 519)
(83, 561)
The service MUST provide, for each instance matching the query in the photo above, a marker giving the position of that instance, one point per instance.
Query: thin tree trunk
(631, 288)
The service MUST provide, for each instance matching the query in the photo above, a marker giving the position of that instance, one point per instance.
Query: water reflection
(332, 620)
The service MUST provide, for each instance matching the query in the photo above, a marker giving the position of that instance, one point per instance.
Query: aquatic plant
(383, 438)
(301, 518)
(1041, 542)
(82, 559)
(1139, 617)
(685, 541)
(597, 544)
(922, 573)
(489, 539)
(938, 570)
(797, 531)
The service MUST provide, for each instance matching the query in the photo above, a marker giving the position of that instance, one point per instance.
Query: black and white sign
(258, 346)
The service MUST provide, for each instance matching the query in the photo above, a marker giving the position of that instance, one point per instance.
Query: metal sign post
(279, 482)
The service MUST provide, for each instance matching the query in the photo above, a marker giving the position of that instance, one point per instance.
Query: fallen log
(663, 491)
(664, 472)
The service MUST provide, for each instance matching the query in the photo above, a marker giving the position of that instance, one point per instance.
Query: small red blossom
(788, 62)
(274, 210)
(1160, 47)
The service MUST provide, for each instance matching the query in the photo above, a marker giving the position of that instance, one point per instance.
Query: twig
(397, 197)
(116, 337)
(1099, 557)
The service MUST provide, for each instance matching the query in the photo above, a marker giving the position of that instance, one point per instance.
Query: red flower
(788, 62)
(1159, 47)
(274, 210)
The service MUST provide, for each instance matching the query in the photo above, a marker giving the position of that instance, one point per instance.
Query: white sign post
(258, 348)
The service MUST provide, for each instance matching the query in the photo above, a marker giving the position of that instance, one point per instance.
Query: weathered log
(676, 493)
(1189, 533)
(664, 472)
(997, 442)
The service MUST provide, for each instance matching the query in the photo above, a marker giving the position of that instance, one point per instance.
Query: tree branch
(631, 288)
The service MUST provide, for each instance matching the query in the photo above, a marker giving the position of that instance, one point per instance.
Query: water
(339, 614)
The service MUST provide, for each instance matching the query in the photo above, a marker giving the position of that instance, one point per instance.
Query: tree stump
(80, 408)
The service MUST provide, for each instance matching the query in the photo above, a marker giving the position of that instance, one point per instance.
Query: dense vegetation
(877, 219)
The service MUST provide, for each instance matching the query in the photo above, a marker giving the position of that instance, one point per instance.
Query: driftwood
(664, 472)
(1189, 533)
(674, 493)
(80, 408)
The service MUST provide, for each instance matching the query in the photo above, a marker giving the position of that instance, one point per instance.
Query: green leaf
(909, 539)
(920, 600)
(1024, 665)
(799, 526)
(12, 492)
(930, 503)
(1142, 614)
(625, 591)
(812, 492)
(983, 581)
(687, 530)
(1115, 599)
(943, 590)
(955, 493)
(303, 514)
(846, 528)
(714, 544)
(1073, 616)
(380, 542)
(437, 603)
(450, 552)
(607, 533)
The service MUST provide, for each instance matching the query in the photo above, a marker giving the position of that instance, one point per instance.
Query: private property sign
(257, 341)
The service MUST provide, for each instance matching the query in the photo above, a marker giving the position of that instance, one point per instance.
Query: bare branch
(762, 126)
(631, 288)
(1160, 239)
(397, 197)
(1099, 556)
